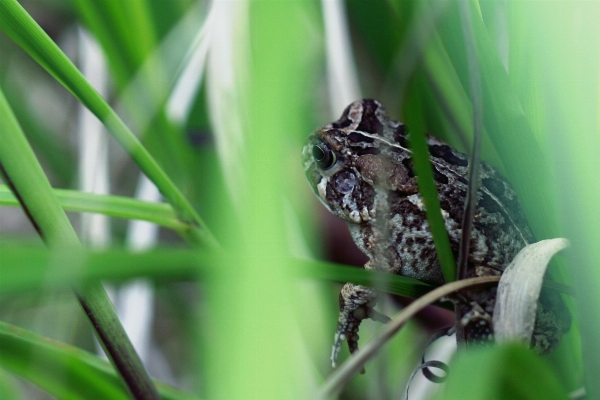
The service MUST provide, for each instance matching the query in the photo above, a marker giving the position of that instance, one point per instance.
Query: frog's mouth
(321, 191)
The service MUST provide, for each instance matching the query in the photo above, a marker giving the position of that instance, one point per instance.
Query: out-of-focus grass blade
(509, 129)
(389, 283)
(64, 371)
(113, 206)
(570, 105)
(29, 267)
(54, 153)
(19, 25)
(452, 99)
(9, 387)
(261, 331)
(500, 372)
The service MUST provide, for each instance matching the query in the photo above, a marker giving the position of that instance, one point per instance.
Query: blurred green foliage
(257, 330)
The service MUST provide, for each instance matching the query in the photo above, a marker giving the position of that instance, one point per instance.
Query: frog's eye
(324, 157)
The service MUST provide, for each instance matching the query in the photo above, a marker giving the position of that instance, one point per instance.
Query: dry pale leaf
(519, 290)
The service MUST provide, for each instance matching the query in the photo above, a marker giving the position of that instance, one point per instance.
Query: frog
(360, 168)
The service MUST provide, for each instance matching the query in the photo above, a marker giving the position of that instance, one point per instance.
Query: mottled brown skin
(360, 168)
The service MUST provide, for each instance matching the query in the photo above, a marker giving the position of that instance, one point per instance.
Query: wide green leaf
(500, 372)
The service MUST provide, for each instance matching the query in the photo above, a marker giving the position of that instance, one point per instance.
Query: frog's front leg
(356, 304)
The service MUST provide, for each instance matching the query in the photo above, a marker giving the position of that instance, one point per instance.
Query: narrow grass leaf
(112, 206)
(64, 371)
(22, 171)
(40, 267)
(475, 158)
(428, 191)
(19, 25)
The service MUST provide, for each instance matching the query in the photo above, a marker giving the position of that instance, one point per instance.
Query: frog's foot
(356, 304)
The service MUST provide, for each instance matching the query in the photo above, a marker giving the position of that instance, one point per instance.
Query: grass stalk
(474, 161)
(113, 206)
(428, 191)
(21, 27)
(22, 172)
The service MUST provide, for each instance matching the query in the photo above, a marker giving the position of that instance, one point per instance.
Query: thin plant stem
(22, 172)
(342, 375)
(474, 162)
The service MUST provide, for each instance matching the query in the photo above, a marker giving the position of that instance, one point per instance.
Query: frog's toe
(347, 330)
(356, 304)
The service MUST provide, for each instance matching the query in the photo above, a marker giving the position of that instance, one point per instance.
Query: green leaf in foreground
(30, 267)
(500, 372)
(64, 371)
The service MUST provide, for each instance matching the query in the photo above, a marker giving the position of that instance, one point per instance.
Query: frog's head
(344, 161)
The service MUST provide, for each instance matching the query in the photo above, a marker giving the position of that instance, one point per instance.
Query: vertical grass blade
(474, 161)
(342, 77)
(251, 341)
(428, 191)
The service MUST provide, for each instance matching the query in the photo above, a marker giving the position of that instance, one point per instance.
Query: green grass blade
(19, 25)
(63, 371)
(55, 154)
(389, 283)
(24, 175)
(453, 100)
(112, 206)
(428, 191)
(475, 156)
(39, 267)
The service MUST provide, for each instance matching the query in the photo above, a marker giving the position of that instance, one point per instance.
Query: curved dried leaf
(519, 290)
